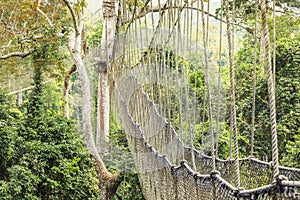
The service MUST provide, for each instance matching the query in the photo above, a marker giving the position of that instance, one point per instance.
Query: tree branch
(8, 27)
(42, 13)
(67, 80)
(29, 88)
(16, 54)
(73, 15)
(144, 12)
(7, 46)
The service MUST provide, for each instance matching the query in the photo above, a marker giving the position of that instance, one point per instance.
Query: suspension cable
(271, 90)
(232, 95)
(219, 80)
(274, 42)
(254, 79)
(205, 42)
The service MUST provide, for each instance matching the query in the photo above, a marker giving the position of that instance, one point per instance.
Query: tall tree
(108, 182)
(43, 156)
(107, 43)
(42, 23)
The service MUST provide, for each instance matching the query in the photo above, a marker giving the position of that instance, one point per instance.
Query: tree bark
(66, 90)
(102, 112)
(108, 182)
(107, 43)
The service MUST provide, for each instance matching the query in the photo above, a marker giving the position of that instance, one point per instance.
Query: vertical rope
(205, 42)
(203, 115)
(271, 90)
(184, 74)
(204, 87)
(186, 78)
(195, 70)
(187, 88)
(254, 80)
(167, 80)
(274, 42)
(219, 81)
(232, 97)
(178, 83)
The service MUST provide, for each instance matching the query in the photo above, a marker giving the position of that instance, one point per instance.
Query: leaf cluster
(42, 156)
(287, 97)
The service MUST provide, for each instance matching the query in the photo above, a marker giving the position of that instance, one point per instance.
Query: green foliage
(35, 103)
(94, 31)
(223, 140)
(129, 187)
(119, 158)
(8, 130)
(33, 33)
(135, 4)
(245, 9)
(287, 97)
(292, 155)
(79, 5)
(42, 156)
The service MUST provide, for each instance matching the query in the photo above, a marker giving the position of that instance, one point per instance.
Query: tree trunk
(102, 112)
(66, 90)
(107, 43)
(86, 98)
(108, 183)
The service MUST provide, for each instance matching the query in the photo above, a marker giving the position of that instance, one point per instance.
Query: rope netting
(163, 175)
(159, 64)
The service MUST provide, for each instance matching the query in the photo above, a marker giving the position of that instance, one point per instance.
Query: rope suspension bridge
(158, 61)
(168, 88)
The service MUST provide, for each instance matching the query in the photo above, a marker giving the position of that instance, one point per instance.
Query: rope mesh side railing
(182, 182)
(127, 95)
(254, 172)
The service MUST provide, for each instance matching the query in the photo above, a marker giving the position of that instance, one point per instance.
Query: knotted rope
(232, 96)
(271, 89)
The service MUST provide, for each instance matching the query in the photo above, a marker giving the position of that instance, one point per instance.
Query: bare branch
(34, 38)
(16, 54)
(7, 46)
(39, 37)
(15, 6)
(42, 13)
(73, 16)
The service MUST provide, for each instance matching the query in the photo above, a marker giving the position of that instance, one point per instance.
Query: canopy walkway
(155, 57)
(158, 153)
(162, 53)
